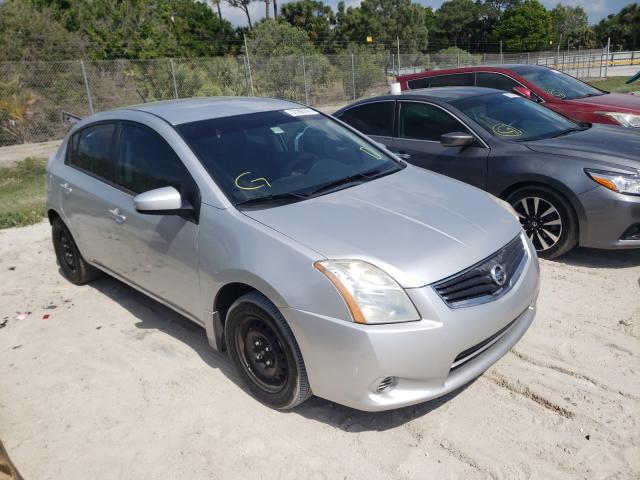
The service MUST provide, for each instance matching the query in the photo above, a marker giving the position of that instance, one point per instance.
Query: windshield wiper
(273, 198)
(370, 175)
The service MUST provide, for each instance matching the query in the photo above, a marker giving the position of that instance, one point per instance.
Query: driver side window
(421, 121)
(147, 162)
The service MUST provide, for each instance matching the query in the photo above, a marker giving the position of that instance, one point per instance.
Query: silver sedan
(318, 260)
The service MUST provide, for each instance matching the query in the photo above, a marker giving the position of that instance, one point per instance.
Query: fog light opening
(386, 384)
(632, 233)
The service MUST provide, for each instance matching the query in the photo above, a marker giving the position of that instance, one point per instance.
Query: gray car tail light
(485, 281)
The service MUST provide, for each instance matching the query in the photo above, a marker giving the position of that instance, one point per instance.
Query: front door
(158, 253)
(420, 126)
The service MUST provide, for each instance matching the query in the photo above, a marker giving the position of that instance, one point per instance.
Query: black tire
(547, 218)
(73, 266)
(265, 352)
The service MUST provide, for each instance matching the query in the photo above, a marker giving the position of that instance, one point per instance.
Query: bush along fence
(33, 95)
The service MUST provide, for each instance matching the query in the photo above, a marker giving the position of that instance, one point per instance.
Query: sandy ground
(14, 153)
(115, 386)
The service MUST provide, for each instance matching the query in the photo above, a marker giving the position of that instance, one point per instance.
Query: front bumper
(346, 361)
(608, 216)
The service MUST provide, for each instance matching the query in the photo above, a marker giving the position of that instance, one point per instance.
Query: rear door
(158, 253)
(86, 187)
(420, 126)
(374, 119)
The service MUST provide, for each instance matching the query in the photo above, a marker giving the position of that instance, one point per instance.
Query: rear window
(419, 83)
(91, 150)
(495, 80)
(371, 119)
(457, 80)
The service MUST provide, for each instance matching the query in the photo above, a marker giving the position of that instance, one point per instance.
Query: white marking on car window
(299, 112)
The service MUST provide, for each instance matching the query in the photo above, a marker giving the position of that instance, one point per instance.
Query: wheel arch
(226, 295)
(52, 215)
(551, 184)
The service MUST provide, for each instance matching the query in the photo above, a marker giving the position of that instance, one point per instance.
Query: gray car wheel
(73, 266)
(547, 219)
(265, 352)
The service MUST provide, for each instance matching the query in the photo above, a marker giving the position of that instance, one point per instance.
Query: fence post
(304, 74)
(246, 54)
(528, 58)
(173, 74)
(606, 65)
(501, 55)
(458, 59)
(353, 76)
(86, 86)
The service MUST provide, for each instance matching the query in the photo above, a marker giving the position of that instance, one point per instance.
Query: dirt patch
(113, 385)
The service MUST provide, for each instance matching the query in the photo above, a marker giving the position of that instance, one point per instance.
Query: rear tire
(74, 267)
(547, 219)
(265, 352)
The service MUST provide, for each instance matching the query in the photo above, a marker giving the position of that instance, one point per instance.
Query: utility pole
(266, 9)
(246, 53)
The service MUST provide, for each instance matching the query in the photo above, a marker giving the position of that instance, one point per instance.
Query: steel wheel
(262, 353)
(541, 221)
(68, 254)
(265, 353)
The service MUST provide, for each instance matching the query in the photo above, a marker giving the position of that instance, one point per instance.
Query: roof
(503, 68)
(437, 94)
(449, 94)
(193, 109)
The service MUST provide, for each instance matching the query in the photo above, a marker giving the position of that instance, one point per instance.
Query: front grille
(477, 284)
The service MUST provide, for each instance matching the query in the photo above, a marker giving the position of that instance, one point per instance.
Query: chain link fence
(33, 95)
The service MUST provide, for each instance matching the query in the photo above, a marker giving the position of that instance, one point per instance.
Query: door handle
(403, 155)
(117, 216)
(66, 188)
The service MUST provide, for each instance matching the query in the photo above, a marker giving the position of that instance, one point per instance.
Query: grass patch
(615, 84)
(22, 193)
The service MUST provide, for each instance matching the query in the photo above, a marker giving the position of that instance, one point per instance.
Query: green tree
(630, 18)
(525, 27)
(570, 25)
(276, 50)
(198, 30)
(455, 19)
(312, 16)
(119, 29)
(385, 21)
(27, 33)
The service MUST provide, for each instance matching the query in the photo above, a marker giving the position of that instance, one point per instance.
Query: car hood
(600, 143)
(611, 102)
(416, 225)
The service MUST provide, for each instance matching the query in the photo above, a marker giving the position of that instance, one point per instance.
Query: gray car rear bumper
(346, 361)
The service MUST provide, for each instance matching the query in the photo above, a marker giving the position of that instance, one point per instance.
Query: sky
(596, 9)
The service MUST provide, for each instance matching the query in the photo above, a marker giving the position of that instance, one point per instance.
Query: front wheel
(547, 219)
(265, 352)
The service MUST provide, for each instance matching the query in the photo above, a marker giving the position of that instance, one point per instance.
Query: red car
(555, 90)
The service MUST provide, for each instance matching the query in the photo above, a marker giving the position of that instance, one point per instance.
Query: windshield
(557, 83)
(284, 155)
(511, 117)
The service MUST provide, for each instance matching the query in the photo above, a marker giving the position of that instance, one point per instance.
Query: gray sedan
(570, 183)
(320, 262)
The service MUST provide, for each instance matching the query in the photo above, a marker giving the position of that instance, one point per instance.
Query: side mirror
(161, 201)
(523, 92)
(456, 139)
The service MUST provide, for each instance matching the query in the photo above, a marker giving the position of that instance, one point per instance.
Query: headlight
(618, 182)
(624, 119)
(371, 295)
